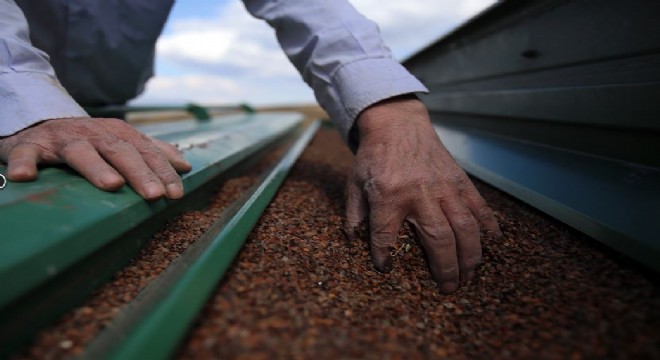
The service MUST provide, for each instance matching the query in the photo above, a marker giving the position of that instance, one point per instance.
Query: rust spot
(42, 197)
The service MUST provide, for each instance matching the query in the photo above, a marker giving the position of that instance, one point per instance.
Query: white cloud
(192, 88)
(196, 45)
(231, 42)
(407, 26)
(233, 57)
(211, 89)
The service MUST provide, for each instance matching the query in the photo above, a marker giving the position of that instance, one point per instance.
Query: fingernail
(448, 287)
(153, 191)
(186, 167)
(111, 182)
(21, 173)
(174, 191)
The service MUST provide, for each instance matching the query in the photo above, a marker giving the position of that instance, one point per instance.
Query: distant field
(311, 111)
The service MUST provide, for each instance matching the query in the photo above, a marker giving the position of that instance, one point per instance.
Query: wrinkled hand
(403, 172)
(107, 152)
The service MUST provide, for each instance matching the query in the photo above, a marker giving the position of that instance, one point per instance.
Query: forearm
(339, 53)
(29, 89)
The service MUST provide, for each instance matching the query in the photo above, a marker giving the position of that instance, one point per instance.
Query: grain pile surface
(298, 291)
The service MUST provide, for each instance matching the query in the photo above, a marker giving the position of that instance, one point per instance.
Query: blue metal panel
(615, 202)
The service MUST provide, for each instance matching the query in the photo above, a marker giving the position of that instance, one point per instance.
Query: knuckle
(464, 222)
(69, 130)
(168, 176)
(160, 166)
(151, 152)
(485, 214)
(143, 173)
(456, 178)
(439, 236)
(48, 151)
(147, 147)
(113, 145)
(470, 194)
(112, 140)
(448, 272)
(378, 185)
(71, 145)
(417, 179)
(116, 127)
(394, 185)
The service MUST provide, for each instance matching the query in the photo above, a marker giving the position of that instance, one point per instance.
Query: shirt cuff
(362, 83)
(27, 98)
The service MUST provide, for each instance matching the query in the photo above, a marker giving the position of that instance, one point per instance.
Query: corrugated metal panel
(558, 102)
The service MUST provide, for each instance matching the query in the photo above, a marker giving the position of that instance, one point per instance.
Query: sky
(214, 52)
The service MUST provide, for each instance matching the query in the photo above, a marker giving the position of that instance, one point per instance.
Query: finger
(481, 211)
(173, 155)
(83, 158)
(437, 237)
(384, 225)
(22, 162)
(356, 208)
(130, 164)
(466, 233)
(160, 165)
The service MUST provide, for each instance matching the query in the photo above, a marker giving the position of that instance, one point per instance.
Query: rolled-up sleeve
(29, 89)
(339, 53)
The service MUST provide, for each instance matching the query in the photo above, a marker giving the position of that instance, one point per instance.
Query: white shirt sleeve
(29, 89)
(339, 53)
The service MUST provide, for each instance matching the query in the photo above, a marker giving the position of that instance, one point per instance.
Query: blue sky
(213, 52)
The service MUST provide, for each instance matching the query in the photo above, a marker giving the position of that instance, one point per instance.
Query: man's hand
(403, 172)
(107, 152)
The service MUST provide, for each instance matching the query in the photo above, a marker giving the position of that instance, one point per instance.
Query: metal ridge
(165, 309)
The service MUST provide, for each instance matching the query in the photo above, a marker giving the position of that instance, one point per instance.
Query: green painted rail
(62, 237)
(154, 324)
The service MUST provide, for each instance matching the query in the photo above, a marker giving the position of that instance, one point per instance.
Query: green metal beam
(166, 308)
(55, 230)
